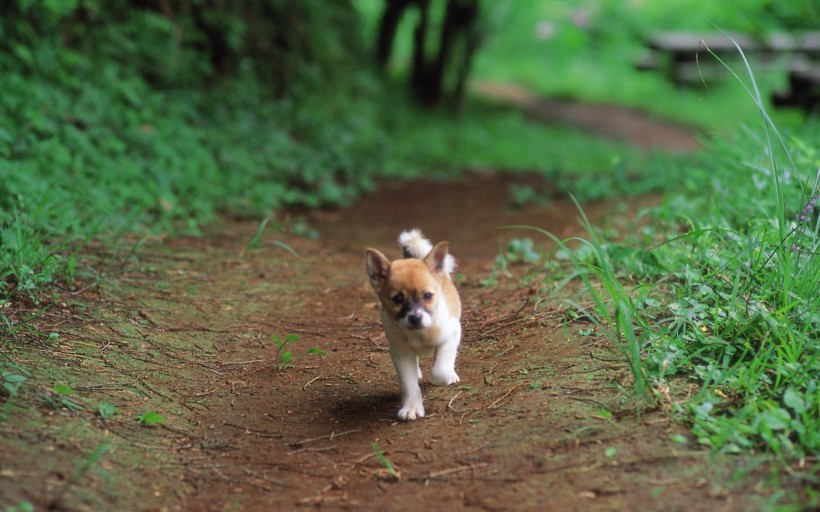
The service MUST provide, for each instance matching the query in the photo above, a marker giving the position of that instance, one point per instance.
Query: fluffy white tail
(415, 245)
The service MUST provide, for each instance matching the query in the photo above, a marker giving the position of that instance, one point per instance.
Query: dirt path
(611, 121)
(539, 421)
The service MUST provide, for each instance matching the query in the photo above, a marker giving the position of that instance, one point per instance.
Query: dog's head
(409, 289)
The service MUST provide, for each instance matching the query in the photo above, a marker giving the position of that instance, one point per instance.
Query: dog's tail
(415, 245)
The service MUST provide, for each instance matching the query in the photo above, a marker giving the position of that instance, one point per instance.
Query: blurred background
(160, 115)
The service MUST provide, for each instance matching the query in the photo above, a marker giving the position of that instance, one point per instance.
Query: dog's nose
(414, 319)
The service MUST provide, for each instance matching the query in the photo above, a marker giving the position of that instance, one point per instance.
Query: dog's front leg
(443, 372)
(407, 367)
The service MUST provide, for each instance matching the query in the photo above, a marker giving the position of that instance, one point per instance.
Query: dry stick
(364, 458)
(493, 404)
(445, 472)
(311, 381)
(514, 388)
(257, 432)
(582, 467)
(251, 361)
(450, 404)
(330, 436)
(264, 478)
(312, 450)
(508, 324)
(516, 320)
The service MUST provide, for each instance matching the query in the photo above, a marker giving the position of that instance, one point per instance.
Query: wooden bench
(686, 58)
(804, 87)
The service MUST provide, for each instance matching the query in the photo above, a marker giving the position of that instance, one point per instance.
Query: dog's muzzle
(415, 318)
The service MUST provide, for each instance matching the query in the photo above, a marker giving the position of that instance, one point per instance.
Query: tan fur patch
(412, 277)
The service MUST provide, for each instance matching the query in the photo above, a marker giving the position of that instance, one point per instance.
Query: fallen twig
(444, 472)
(492, 404)
(311, 381)
(330, 436)
(450, 403)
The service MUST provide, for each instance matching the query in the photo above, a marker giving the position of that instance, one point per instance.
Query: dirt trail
(538, 422)
(612, 121)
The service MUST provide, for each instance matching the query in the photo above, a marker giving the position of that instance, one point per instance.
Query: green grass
(717, 294)
(94, 145)
(587, 50)
(169, 165)
(492, 138)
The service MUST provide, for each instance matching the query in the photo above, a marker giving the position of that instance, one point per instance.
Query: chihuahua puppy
(421, 314)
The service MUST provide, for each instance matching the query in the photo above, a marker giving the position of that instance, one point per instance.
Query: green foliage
(107, 410)
(487, 137)
(118, 118)
(58, 397)
(722, 287)
(613, 312)
(284, 357)
(588, 49)
(385, 462)
(317, 352)
(517, 251)
(13, 378)
(725, 292)
(23, 506)
(150, 418)
(83, 467)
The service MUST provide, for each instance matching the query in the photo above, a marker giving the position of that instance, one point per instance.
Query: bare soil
(613, 121)
(540, 421)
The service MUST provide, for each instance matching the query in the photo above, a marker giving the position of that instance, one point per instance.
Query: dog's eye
(398, 298)
(428, 295)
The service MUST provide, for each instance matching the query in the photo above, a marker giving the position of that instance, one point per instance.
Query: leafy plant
(283, 357)
(317, 351)
(125, 98)
(83, 468)
(12, 379)
(256, 240)
(23, 506)
(614, 312)
(389, 469)
(150, 418)
(107, 410)
(721, 286)
(521, 195)
(59, 397)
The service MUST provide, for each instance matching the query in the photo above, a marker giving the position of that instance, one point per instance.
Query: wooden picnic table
(804, 87)
(686, 58)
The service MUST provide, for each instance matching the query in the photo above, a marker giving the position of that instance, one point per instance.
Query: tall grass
(730, 307)
(613, 310)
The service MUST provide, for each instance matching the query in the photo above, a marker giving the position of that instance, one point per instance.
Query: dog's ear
(437, 257)
(378, 268)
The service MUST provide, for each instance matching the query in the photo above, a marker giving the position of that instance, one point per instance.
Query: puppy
(421, 314)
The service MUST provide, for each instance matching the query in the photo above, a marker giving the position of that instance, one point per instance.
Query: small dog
(421, 314)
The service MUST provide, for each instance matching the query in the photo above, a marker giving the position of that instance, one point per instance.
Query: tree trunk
(428, 73)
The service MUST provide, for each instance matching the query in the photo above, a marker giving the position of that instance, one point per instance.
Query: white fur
(438, 334)
(417, 246)
(405, 348)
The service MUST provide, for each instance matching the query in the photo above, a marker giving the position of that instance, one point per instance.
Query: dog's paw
(445, 378)
(411, 411)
